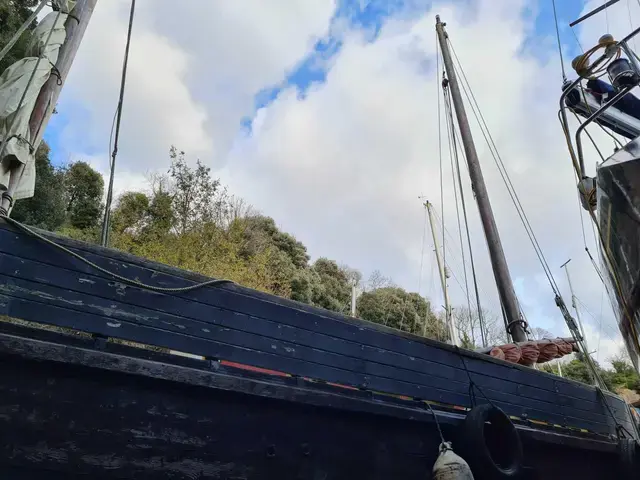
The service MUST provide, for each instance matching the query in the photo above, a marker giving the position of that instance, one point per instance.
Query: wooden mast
(498, 261)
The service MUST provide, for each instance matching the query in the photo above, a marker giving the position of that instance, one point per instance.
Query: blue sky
(375, 13)
(367, 15)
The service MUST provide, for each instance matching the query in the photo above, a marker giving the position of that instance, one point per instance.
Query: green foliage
(187, 220)
(13, 13)
(621, 376)
(260, 231)
(624, 375)
(131, 212)
(83, 194)
(196, 196)
(46, 209)
(395, 307)
(331, 289)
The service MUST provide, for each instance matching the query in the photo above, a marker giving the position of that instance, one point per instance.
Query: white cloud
(193, 72)
(342, 168)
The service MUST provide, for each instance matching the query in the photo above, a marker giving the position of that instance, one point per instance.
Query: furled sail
(535, 351)
(14, 115)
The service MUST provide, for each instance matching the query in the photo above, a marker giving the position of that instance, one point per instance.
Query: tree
(397, 308)
(332, 289)
(161, 216)
(83, 190)
(261, 231)
(197, 198)
(46, 209)
(377, 280)
(578, 370)
(540, 333)
(471, 330)
(624, 375)
(13, 13)
(131, 212)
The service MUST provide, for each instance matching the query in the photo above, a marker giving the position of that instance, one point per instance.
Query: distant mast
(515, 325)
(442, 269)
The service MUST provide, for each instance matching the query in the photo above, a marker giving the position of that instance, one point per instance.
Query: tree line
(188, 219)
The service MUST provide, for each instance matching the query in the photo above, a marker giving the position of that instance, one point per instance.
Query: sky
(323, 114)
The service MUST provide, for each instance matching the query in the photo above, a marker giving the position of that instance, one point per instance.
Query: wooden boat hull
(325, 397)
(98, 413)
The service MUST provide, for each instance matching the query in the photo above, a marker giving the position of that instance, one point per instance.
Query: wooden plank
(47, 346)
(452, 356)
(67, 417)
(513, 405)
(297, 315)
(232, 324)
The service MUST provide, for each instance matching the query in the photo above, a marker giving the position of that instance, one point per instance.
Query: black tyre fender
(628, 458)
(493, 450)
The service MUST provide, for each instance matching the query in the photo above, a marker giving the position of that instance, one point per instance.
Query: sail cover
(13, 82)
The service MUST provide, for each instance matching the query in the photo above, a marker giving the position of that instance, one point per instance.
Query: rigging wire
(503, 173)
(631, 24)
(610, 331)
(555, 17)
(606, 14)
(575, 35)
(453, 152)
(438, 86)
(521, 213)
(464, 263)
(492, 304)
(424, 235)
(455, 158)
(600, 326)
(123, 82)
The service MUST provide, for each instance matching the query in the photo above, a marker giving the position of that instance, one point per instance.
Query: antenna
(602, 7)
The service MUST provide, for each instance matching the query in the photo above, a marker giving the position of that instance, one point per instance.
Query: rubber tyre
(628, 458)
(493, 451)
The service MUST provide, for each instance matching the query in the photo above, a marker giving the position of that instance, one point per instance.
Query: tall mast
(453, 332)
(75, 27)
(498, 260)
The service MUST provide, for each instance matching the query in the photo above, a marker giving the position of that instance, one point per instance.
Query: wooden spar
(453, 331)
(75, 26)
(498, 261)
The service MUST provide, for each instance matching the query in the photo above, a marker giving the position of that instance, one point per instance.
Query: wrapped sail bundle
(529, 353)
(20, 85)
